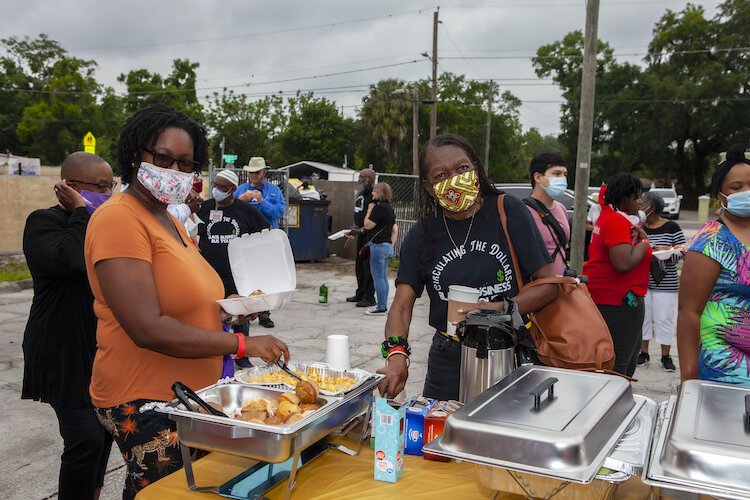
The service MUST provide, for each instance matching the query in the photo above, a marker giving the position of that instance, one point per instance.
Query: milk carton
(416, 409)
(388, 428)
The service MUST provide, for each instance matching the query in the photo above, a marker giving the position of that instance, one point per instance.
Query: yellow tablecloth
(335, 475)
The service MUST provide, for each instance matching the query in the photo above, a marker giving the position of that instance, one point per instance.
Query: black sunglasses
(166, 161)
(101, 187)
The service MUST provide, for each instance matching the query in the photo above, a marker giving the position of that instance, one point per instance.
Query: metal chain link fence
(405, 198)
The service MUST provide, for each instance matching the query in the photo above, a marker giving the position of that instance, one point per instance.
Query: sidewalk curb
(16, 286)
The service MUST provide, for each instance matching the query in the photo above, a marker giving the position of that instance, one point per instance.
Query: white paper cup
(459, 296)
(337, 354)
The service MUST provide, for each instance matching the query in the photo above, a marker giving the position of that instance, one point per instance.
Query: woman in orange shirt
(155, 295)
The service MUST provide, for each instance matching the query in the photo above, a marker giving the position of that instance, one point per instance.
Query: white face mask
(219, 195)
(169, 186)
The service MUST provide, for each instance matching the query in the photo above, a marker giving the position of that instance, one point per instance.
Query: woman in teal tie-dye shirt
(713, 325)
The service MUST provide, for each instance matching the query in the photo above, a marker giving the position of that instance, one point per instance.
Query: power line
(256, 34)
(445, 29)
(203, 89)
(565, 5)
(712, 50)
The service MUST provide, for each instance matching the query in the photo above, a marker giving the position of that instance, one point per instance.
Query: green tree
(316, 131)
(176, 90)
(385, 112)
(247, 127)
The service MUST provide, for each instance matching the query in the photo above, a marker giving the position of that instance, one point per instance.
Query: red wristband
(398, 348)
(240, 345)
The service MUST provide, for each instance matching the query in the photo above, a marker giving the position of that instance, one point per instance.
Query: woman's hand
(231, 319)
(69, 198)
(266, 347)
(396, 372)
(495, 306)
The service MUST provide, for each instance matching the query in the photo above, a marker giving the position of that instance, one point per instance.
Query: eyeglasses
(101, 187)
(166, 161)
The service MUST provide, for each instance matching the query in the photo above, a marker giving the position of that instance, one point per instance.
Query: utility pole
(585, 133)
(415, 130)
(490, 96)
(433, 113)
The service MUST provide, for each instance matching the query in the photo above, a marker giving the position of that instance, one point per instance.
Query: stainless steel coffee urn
(488, 343)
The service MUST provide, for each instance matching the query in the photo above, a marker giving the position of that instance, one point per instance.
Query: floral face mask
(458, 193)
(166, 185)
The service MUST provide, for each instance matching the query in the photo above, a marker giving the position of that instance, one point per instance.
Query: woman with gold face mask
(459, 240)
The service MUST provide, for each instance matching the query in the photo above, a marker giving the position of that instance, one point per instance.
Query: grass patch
(393, 263)
(14, 271)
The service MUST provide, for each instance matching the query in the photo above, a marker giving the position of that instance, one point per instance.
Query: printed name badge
(215, 215)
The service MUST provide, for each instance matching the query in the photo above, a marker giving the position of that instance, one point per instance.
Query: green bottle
(323, 294)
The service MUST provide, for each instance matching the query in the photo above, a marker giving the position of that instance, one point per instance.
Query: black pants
(625, 324)
(86, 451)
(365, 284)
(443, 369)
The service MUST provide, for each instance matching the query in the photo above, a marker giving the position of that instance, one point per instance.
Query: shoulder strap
(504, 222)
(550, 221)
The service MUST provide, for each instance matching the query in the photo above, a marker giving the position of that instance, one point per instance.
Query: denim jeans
(380, 253)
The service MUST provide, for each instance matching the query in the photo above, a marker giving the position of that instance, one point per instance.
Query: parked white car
(671, 201)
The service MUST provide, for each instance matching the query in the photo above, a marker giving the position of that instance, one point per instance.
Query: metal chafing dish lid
(547, 421)
(703, 441)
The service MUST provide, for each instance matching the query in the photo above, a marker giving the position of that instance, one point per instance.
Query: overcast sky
(261, 43)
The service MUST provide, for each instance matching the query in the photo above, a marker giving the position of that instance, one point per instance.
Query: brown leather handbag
(569, 332)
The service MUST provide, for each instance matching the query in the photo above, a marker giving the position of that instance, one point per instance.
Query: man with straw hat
(267, 198)
(264, 195)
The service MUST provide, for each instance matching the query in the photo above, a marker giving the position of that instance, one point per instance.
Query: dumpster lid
(262, 261)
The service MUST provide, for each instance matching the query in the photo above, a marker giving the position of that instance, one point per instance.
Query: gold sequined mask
(457, 193)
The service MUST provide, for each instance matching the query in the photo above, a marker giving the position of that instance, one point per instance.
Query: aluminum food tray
(325, 371)
(269, 443)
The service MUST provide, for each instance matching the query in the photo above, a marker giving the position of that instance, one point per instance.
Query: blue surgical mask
(557, 186)
(738, 204)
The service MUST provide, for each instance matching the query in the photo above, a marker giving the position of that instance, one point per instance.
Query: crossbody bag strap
(553, 225)
(504, 223)
(373, 236)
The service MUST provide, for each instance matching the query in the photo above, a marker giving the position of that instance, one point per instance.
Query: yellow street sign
(89, 143)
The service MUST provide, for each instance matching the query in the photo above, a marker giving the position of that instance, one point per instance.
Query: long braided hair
(427, 205)
(142, 130)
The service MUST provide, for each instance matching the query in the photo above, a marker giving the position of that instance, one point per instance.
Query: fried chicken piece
(274, 420)
(288, 396)
(295, 417)
(287, 408)
(306, 391)
(309, 406)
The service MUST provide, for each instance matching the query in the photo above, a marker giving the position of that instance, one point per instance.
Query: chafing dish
(630, 455)
(546, 421)
(702, 442)
(267, 443)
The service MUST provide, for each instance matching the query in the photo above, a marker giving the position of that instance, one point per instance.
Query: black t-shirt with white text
(221, 226)
(487, 263)
(384, 218)
(364, 197)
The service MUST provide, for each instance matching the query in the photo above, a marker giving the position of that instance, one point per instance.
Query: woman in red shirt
(618, 268)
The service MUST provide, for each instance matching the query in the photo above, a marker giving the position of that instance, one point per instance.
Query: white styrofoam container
(261, 261)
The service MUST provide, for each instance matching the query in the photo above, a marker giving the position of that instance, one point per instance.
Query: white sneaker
(375, 310)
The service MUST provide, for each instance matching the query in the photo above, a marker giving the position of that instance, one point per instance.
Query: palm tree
(385, 112)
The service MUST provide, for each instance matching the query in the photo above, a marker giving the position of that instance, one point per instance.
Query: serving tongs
(281, 364)
(185, 394)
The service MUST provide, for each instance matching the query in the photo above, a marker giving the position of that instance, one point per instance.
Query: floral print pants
(148, 443)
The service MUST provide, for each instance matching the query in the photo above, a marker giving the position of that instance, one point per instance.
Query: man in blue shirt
(267, 198)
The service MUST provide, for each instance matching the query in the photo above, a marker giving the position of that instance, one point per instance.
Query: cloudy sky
(335, 48)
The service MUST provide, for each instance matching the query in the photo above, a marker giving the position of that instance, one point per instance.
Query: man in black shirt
(365, 294)
(224, 220)
(59, 342)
